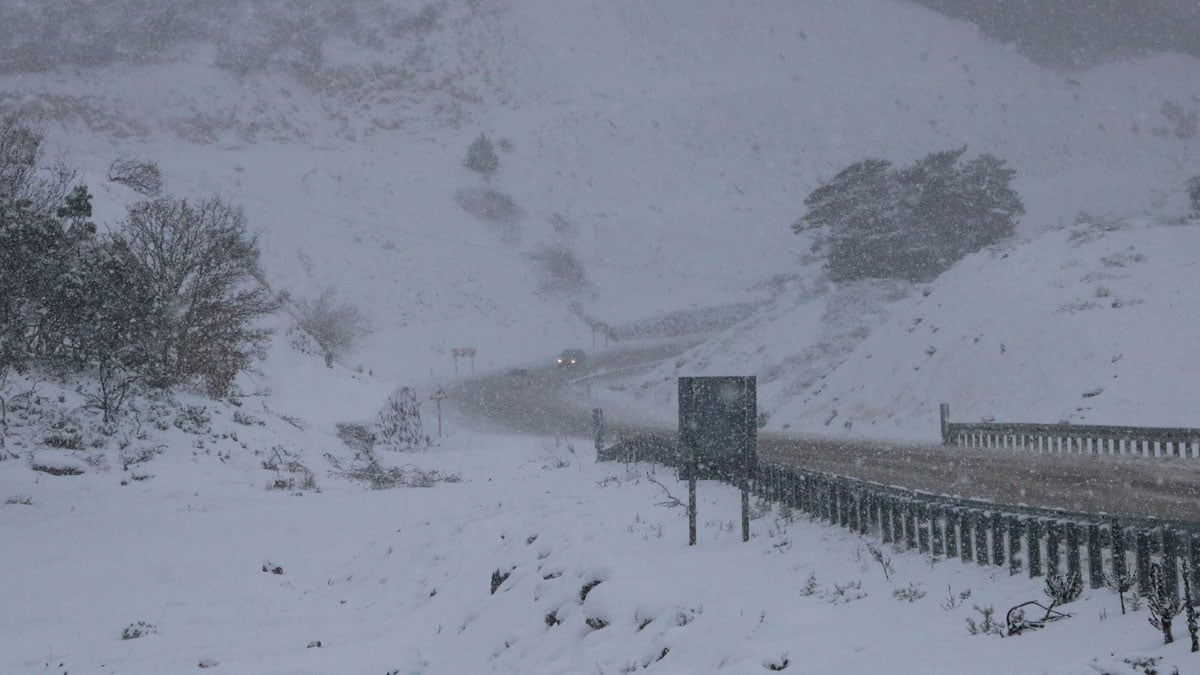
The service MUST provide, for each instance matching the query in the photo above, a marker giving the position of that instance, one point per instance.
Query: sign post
(463, 353)
(718, 435)
(437, 398)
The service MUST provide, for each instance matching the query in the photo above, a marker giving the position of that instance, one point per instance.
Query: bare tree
(204, 269)
(24, 174)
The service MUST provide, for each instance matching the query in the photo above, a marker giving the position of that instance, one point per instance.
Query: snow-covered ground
(197, 565)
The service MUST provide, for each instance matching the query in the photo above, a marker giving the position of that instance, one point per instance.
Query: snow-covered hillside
(1091, 323)
(665, 148)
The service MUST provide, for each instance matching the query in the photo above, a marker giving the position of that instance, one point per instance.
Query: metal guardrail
(1097, 547)
(1087, 439)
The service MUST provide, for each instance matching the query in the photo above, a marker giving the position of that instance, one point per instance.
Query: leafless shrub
(910, 593)
(370, 471)
(336, 326)
(140, 175)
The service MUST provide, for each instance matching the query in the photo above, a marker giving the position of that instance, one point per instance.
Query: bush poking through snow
(357, 437)
(987, 624)
(780, 662)
(368, 469)
(955, 599)
(1063, 589)
(136, 630)
(587, 588)
(910, 593)
(498, 578)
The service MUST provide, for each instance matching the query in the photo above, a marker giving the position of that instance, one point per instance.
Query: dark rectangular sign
(718, 428)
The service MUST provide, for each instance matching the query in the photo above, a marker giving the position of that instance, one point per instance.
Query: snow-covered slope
(665, 147)
(1091, 323)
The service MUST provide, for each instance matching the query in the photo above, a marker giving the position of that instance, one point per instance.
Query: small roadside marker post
(437, 398)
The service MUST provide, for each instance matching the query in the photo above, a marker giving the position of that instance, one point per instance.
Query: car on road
(571, 358)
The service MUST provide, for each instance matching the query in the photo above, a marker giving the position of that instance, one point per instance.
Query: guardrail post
(864, 508)
(1095, 564)
(997, 527)
(1073, 566)
(1170, 561)
(853, 506)
(979, 524)
(885, 519)
(952, 519)
(1194, 560)
(1033, 542)
(1119, 564)
(921, 514)
(937, 523)
(966, 521)
(1014, 545)
(1052, 555)
(910, 524)
(1142, 544)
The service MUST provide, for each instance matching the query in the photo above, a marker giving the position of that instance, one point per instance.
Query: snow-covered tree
(875, 221)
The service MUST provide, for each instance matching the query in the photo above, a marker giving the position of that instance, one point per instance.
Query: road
(554, 401)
